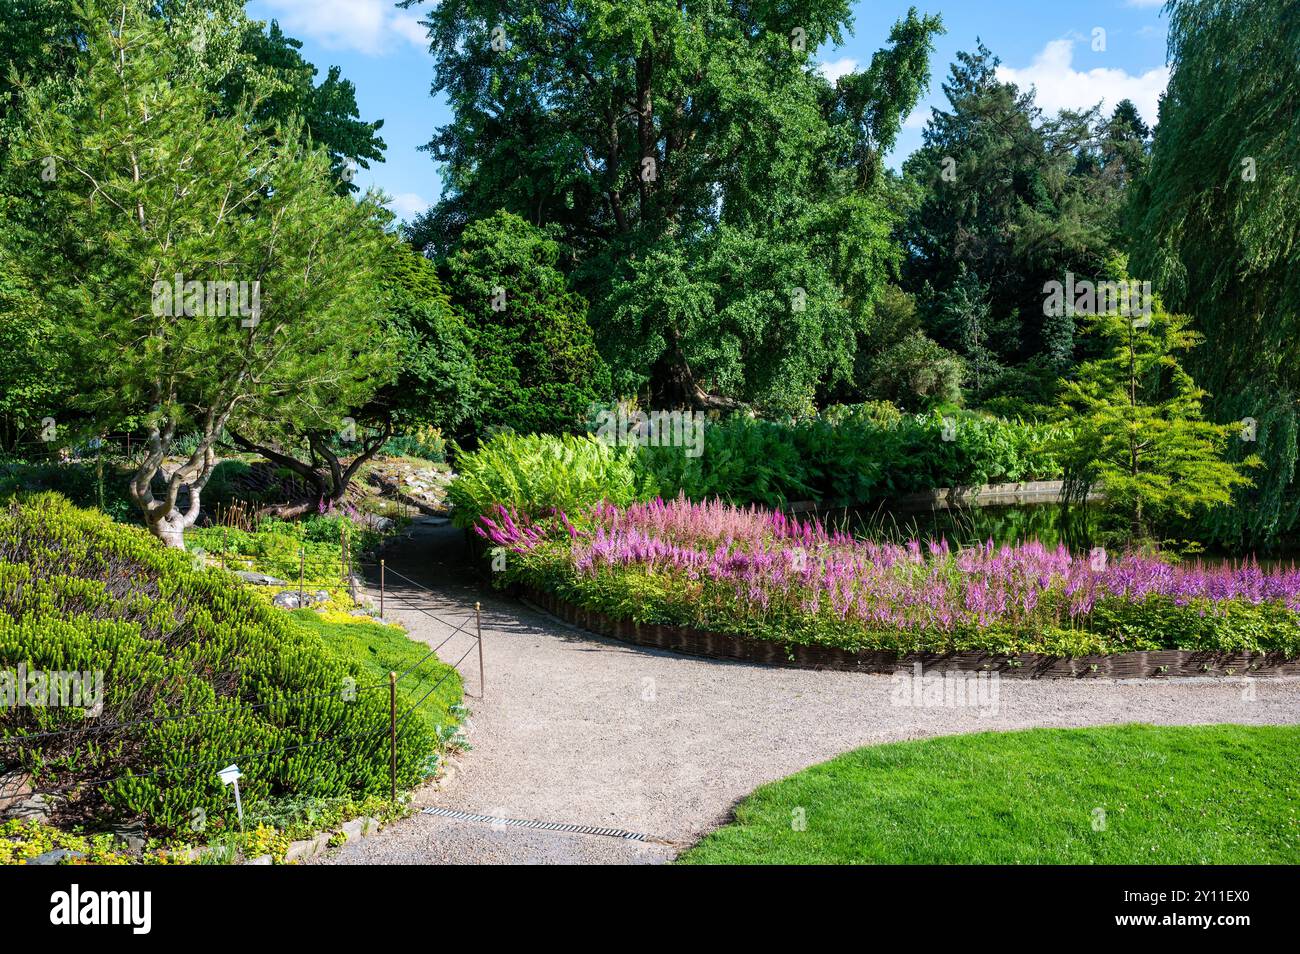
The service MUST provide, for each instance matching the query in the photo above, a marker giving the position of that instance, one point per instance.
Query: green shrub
(424, 443)
(86, 483)
(536, 473)
(78, 592)
(853, 455)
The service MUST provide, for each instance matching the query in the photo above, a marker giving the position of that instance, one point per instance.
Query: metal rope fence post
(392, 731)
(478, 625)
(302, 562)
(381, 588)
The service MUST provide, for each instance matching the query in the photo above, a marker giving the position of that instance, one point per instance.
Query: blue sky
(1045, 43)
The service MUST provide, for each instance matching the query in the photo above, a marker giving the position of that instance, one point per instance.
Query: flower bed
(762, 576)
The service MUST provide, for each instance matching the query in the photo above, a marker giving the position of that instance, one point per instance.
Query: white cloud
(407, 205)
(917, 118)
(837, 68)
(1060, 86)
(372, 27)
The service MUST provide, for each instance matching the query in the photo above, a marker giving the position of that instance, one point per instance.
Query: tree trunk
(163, 517)
(329, 483)
(169, 528)
(673, 384)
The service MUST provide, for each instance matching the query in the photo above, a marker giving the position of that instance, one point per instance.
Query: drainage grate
(535, 825)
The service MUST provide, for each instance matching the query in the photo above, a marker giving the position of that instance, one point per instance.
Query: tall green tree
(206, 269)
(1010, 198)
(1216, 223)
(718, 200)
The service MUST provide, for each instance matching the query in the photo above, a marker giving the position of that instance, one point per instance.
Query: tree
(1139, 430)
(961, 317)
(241, 60)
(273, 74)
(538, 368)
(916, 373)
(1007, 199)
(208, 271)
(33, 369)
(1216, 223)
(435, 385)
(693, 142)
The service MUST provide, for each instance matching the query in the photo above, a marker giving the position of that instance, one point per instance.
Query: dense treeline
(655, 203)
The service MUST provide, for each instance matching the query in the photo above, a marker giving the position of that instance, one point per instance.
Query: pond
(960, 526)
(1004, 525)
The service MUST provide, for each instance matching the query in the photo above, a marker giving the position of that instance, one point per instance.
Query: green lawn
(1132, 794)
(380, 649)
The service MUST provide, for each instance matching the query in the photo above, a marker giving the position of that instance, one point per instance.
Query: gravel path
(580, 729)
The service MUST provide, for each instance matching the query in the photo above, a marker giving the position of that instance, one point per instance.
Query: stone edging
(1136, 665)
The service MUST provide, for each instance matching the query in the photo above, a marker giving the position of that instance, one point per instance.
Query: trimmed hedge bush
(246, 684)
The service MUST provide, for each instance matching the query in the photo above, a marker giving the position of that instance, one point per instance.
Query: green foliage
(1031, 798)
(846, 457)
(34, 373)
(697, 169)
(1005, 200)
(1139, 432)
(437, 384)
(536, 474)
(1216, 223)
(277, 546)
(915, 373)
(851, 456)
(236, 203)
(424, 443)
(432, 690)
(536, 364)
(269, 70)
(86, 483)
(254, 687)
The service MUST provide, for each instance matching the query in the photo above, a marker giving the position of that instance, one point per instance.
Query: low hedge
(246, 684)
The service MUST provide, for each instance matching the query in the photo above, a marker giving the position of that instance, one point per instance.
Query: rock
(360, 827)
(131, 837)
(37, 809)
(289, 599)
(56, 857)
(259, 860)
(306, 850)
(260, 579)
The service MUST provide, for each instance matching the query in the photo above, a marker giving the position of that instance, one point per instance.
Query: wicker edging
(1161, 663)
